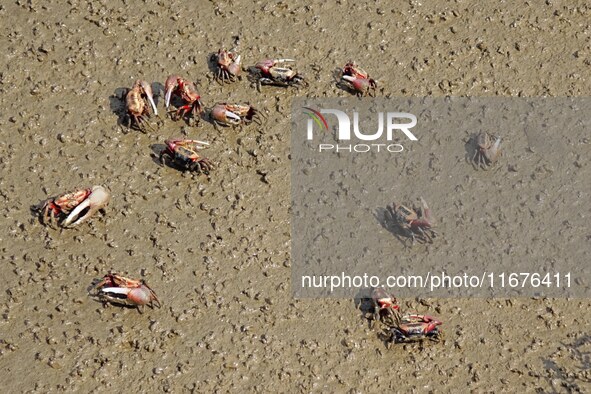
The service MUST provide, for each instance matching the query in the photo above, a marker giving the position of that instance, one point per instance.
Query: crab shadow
(470, 148)
(253, 75)
(385, 219)
(364, 303)
(208, 117)
(157, 149)
(337, 75)
(117, 106)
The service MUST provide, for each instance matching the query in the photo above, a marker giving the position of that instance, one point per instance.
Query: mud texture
(216, 250)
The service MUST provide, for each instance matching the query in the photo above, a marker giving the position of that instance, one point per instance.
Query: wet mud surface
(216, 250)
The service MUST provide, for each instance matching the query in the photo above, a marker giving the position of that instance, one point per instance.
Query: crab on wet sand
(73, 208)
(118, 289)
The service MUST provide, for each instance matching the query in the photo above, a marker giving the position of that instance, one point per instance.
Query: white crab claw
(153, 104)
(98, 198)
(167, 97)
(116, 290)
(349, 78)
(232, 115)
(237, 61)
(74, 214)
(148, 90)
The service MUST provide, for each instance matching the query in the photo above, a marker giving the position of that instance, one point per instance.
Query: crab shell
(184, 152)
(418, 324)
(135, 101)
(185, 147)
(404, 214)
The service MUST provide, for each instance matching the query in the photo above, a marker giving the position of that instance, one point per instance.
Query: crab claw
(493, 153)
(148, 90)
(284, 60)
(234, 67)
(98, 198)
(361, 85)
(222, 115)
(170, 85)
(137, 296)
(199, 144)
(426, 210)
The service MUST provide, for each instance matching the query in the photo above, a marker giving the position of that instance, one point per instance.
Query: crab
(183, 152)
(487, 152)
(358, 80)
(228, 65)
(118, 289)
(72, 209)
(226, 114)
(385, 307)
(353, 70)
(415, 327)
(416, 226)
(186, 91)
(137, 107)
(269, 73)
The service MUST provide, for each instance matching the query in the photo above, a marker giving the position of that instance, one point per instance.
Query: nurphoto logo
(396, 124)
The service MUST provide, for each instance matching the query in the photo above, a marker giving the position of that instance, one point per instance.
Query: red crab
(359, 80)
(227, 114)
(183, 152)
(118, 289)
(67, 208)
(417, 227)
(386, 308)
(228, 65)
(416, 328)
(137, 107)
(487, 152)
(270, 74)
(186, 91)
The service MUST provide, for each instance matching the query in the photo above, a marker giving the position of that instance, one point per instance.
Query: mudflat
(217, 249)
